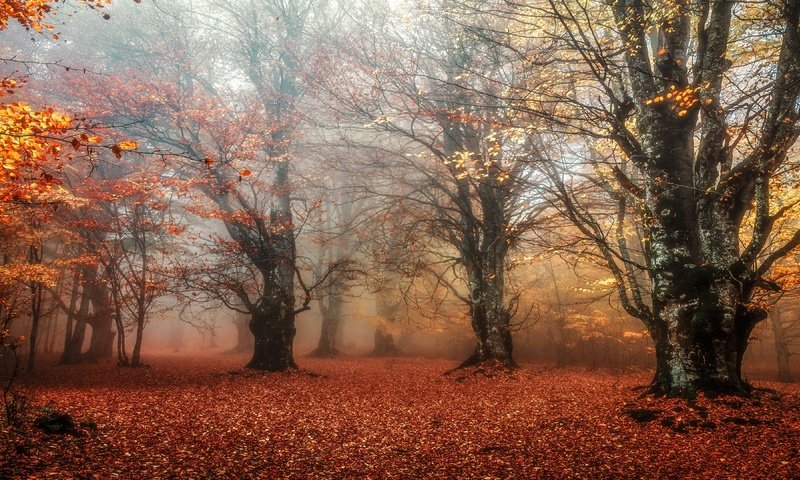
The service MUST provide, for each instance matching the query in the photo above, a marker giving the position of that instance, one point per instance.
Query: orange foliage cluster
(29, 147)
(32, 13)
(31, 139)
(680, 101)
(393, 419)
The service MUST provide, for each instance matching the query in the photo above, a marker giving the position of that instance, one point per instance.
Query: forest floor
(393, 419)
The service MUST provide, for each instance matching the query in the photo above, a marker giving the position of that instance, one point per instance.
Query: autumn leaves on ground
(394, 418)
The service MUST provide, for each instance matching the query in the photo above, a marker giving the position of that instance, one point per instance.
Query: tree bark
(489, 314)
(136, 354)
(101, 343)
(490, 321)
(36, 313)
(71, 313)
(272, 321)
(272, 326)
(72, 355)
(701, 323)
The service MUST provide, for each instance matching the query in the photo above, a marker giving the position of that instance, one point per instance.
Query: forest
(399, 239)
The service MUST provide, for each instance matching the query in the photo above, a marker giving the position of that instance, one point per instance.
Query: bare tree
(224, 96)
(447, 156)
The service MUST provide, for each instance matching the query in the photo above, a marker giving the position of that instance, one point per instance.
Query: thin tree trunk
(781, 346)
(36, 311)
(46, 328)
(72, 355)
(122, 355)
(73, 302)
(34, 257)
(331, 315)
(51, 335)
(136, 356)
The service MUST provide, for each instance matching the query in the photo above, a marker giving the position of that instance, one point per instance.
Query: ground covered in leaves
(397, 418)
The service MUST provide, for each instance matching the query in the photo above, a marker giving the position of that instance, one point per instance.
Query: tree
(35, 145)
(690, 121)
(786, 332)
(232, 122)
(335, 247)
(135, 208)
(449, 153)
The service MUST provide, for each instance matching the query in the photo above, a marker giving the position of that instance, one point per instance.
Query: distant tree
(785, 324)
(140, 224)
(221, 87)
(447, 155)
(336, 247)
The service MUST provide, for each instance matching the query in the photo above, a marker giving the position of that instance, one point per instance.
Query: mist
(399, 239)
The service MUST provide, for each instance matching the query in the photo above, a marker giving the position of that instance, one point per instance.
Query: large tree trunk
(693, 193)
(781, 346)
(490, 321)
(326, 347)
(102, 339)
(699, 350)
(486, 272)
(101, 343)
(701, 322)
(272, 321)
(482, 238)
(272, 325)
(387, 306)
(331, 310)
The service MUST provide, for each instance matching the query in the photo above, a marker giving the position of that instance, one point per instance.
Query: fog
(399, 239)
(284, 179)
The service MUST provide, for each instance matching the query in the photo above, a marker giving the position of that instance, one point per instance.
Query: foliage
(33, 14)
(395, 419)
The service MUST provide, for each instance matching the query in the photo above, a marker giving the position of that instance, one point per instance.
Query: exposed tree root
(708, 410)
(326, 353)
(485, 368)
